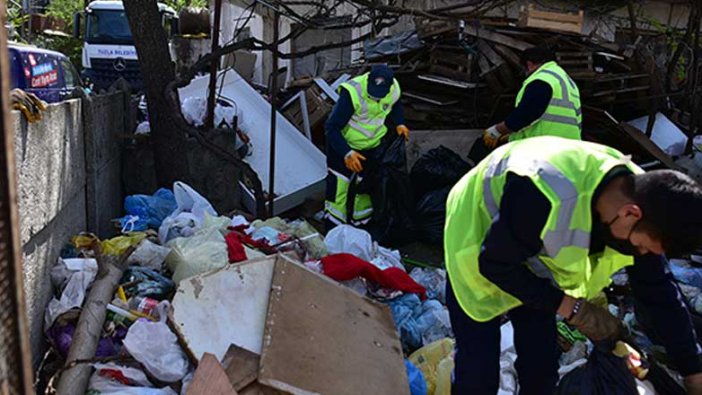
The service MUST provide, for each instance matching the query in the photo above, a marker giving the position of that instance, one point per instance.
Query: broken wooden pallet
(548, 20)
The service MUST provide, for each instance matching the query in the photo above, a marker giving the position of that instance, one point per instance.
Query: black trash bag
(438, 168)
(603, 374)
(431, 216)
(390, 189)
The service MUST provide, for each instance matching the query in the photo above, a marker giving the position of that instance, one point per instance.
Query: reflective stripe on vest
(336, 210)
(366, 127)
(567, 173)
(563, 115)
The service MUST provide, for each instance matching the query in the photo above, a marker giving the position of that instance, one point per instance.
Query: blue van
(47, 74)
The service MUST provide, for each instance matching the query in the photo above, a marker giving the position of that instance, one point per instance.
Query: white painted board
(665, 134)
(228, 306)
(299, 164)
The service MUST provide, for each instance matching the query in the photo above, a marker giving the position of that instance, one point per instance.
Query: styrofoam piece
(227, 306)
(665, 134)
(300, 167)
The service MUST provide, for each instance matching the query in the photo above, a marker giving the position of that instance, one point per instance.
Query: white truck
(108, 47)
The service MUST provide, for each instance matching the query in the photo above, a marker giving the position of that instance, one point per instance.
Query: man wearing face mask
(548, 104)
(537, 229)
(356, 130)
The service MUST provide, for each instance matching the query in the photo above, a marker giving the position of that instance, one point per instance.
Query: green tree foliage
(180, 4)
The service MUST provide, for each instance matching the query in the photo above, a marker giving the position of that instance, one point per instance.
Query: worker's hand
(693, 384)
(352, 160)
(596, 323)
(403, 131)
(30, 105)
(491, 136)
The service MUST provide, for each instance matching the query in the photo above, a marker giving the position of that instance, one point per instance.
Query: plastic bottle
(143, 304)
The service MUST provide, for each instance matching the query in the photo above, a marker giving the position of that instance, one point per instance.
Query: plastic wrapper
(188, 216)
(435, 360)
(113, 379)
(61, 337)
(151, 210)
(206, 250)
(118, 245)
(347, 239)
(434, 280)
(420, 323)
(79, 274)
(687, 275)
(149, 255)
(416, 379)
(147, 282)
(156, 347)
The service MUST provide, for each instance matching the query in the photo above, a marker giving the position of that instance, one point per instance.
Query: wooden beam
(496, 37)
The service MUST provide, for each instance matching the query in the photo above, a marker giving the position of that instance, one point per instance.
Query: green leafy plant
(180, 4)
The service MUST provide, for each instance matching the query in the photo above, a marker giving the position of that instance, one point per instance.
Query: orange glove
(352, 160)
(403, 131)
(491, 136)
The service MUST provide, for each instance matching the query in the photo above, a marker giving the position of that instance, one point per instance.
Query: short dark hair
(671, 205)
(538, 55)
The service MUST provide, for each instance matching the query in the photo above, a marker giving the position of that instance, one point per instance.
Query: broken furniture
(292, 318)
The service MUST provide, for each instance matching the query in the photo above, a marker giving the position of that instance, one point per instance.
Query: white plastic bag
(194, 110)
(386, 258)
(156, 347)
(189, 214)
(347, 239)
(80, 273)
(149, 255)
(103, 381)
(206, 250)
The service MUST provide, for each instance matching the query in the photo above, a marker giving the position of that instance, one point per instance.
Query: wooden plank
(553, 25)
(490, 53)
(557, 16)
(497, 38)
(213, 310)
(509, 55)
(322, 338)
(241, 366)
(210, 378)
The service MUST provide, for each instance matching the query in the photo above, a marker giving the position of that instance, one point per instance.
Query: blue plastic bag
(417, 384)
(150, 210)
(687, 275)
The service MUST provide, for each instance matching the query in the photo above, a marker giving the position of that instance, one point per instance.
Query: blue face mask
(623, 246)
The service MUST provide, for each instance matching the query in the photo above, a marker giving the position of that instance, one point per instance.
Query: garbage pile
(206, 300)
(183, 259)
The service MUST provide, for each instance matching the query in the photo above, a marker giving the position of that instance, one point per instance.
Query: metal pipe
(273, 90)
(213, 66)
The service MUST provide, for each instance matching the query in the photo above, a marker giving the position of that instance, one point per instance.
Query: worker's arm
(514, 237)
(537, 96)
(339, 117)
(653, 287)
(397, 114)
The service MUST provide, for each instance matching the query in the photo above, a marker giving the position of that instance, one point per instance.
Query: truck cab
(108, 47)
(49, 75)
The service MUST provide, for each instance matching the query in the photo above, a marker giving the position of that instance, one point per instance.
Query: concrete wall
(55, 169)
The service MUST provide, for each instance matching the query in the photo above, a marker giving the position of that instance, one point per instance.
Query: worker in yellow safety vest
(548, 104)
(536, 230)
(356, 131)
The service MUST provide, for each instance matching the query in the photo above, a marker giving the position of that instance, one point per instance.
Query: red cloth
(235, 248)
(344, 267)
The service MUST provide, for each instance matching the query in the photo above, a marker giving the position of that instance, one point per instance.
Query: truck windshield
(108, 27)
